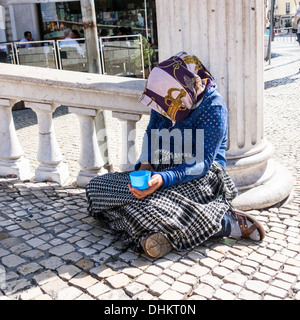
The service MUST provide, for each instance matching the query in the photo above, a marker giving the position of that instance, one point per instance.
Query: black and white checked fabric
(188, 214)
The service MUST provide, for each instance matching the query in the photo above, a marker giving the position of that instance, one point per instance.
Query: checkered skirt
(188, 214)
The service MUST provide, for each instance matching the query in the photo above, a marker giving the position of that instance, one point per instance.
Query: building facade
(284, 12)
(284, 7)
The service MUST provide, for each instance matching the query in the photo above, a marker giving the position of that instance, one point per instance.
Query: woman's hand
(155, 183)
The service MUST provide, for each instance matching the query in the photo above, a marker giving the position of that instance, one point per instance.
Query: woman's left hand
(155, 183)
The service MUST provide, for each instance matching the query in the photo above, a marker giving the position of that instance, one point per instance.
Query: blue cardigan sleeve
(214, 123)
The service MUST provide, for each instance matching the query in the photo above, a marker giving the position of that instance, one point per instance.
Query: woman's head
(175, 86)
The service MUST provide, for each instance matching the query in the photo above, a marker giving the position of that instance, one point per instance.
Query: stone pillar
(49, 156)
(228, 39)
(12, 161)
(128, 136)
(91, 160)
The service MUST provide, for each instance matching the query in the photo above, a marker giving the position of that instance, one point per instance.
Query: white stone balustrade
(43, 90)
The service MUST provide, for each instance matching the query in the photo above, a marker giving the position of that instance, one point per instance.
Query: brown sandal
(156, 245)
(242, 218)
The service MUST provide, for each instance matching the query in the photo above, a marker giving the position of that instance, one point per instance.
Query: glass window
(59, 16)
(114, 18)
(137, 16)
(130, 17)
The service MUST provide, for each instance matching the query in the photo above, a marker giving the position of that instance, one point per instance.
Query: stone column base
(20, 168)
(270, 190)
(59, 173)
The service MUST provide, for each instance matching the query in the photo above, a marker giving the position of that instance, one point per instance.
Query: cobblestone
(98, 289)
(69, 293)
(118, 281)
(50, 249)
(53, 287)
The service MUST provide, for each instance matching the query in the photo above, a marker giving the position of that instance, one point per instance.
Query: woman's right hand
(155, 183)
(146, 166)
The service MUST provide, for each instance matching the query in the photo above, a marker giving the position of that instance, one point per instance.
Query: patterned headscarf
(176, 85)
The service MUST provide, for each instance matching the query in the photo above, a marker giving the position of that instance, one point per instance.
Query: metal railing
(120, 55)
(284, 35)
(283, 31)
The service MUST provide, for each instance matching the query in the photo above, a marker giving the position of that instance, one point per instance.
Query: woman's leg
(226, 228)
(156, 245)
(240, 226)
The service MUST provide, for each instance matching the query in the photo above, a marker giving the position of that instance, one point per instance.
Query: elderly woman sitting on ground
(188, 199)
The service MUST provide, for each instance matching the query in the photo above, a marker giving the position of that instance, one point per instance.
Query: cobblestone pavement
(51, 249)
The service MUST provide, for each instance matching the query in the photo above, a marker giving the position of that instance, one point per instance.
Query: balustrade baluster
(128, 136)
(49, 155)
(12, 161)
(91, 161)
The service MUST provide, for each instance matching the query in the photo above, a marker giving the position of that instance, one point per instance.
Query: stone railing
(43, 90)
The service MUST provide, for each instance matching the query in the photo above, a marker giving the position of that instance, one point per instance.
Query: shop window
(128, 17)
(59, 16)
(111, 15)
(114, 18)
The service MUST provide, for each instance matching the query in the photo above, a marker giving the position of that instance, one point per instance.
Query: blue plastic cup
(140, 179)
